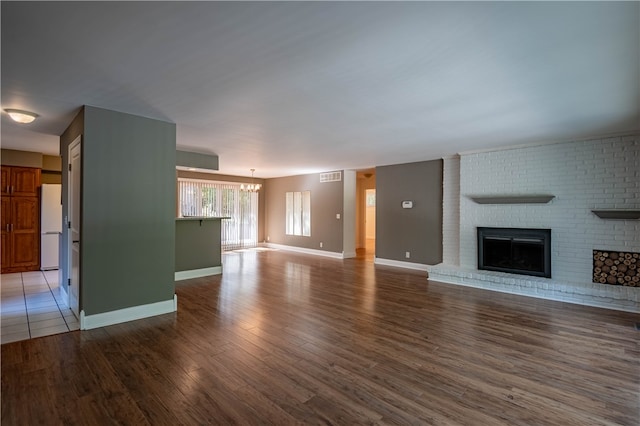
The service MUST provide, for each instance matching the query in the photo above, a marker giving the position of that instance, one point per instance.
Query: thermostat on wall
(407, 204)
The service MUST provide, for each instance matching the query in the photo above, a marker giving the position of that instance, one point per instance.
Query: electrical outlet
(337, 215)
(407, 254)
(267, 238)
(320, 244)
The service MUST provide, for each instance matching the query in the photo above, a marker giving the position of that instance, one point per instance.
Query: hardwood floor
(284, 338)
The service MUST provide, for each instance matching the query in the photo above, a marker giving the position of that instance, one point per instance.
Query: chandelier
(252, 187)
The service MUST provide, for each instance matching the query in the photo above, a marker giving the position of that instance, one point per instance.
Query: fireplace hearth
(515, 250)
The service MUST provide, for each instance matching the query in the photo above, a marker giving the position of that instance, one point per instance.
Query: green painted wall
(197, 160)
(128, 210)
(197, 244)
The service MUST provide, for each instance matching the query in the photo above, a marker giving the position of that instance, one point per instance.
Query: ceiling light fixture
(252, 187)
(22, 117)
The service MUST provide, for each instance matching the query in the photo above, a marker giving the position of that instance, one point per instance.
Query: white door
(75, 163)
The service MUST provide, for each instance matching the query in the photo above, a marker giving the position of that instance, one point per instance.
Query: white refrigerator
(50, 225)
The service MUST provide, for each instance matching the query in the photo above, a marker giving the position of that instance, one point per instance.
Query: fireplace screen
(515, 250)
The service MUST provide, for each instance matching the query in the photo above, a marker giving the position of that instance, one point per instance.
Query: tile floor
(31, 306)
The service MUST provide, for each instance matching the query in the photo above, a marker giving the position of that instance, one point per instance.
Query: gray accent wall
(128, 209)
(326, 202)
(417, 230)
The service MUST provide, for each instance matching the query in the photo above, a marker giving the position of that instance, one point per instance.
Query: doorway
(73, 240)
(366, 214)
(370, 220)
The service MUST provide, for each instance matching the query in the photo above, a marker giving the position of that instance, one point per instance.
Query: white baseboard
(315, 252)
(87, 322)
(64, 295)
(349, 255)
(400, 264)
(197, 273)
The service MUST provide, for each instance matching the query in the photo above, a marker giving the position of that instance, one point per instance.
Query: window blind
(222, 199)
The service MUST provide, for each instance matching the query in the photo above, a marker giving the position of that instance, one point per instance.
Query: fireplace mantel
(512, 199)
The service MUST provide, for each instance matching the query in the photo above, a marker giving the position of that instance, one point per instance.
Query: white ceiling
(299, 87)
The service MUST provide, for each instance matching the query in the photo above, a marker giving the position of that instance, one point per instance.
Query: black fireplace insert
(515, 250)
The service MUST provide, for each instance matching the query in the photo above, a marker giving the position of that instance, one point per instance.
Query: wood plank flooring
(284, 338)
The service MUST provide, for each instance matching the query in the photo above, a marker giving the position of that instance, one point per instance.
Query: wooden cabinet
(6, 178)
(6, 234)
(20, 219)
(20, 181)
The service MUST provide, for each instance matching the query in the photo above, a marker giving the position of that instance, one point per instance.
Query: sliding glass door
(222, 199)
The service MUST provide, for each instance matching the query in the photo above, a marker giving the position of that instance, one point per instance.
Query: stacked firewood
(616, 268)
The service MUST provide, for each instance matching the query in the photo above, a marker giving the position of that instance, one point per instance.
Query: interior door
(75, 162)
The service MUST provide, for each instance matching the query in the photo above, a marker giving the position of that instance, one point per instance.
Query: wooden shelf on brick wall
(624, 214)
(512, 199)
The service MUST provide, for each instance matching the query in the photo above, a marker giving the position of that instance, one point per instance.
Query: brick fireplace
(579, 176)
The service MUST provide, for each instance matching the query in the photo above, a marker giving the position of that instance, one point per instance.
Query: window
(371, 197)
(298, 213)
(222, 199)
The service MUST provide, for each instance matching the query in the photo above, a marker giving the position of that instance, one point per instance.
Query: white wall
(451, 211)
(583, 175)
(349, 214)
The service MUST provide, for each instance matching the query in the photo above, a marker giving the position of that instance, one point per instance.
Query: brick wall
(451, 211)
(583, 175)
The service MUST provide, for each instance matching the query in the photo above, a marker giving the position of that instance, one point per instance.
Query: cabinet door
(24, 181)
(24, 214)
(6, 250)
(24, 232)
(6, 235)
(24, 250)
(6, 213)
(6, 178)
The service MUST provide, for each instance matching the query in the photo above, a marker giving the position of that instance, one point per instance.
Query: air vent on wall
(331, 177)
